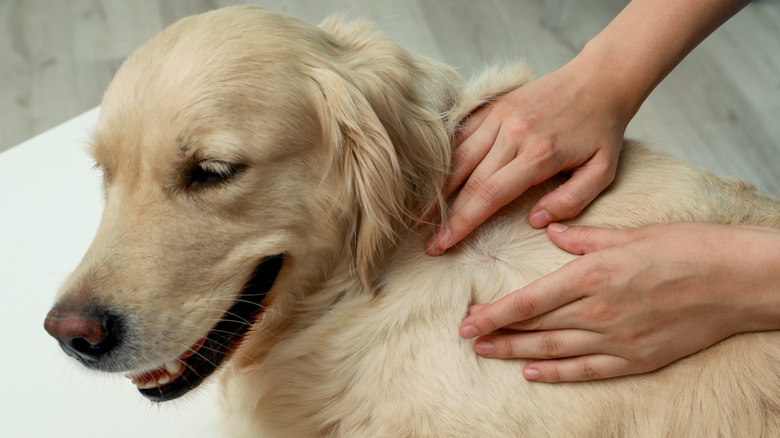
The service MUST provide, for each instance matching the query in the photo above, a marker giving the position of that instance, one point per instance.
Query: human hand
(572, 120)
(636, 301)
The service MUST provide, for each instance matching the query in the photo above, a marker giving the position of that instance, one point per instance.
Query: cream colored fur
(345, 139)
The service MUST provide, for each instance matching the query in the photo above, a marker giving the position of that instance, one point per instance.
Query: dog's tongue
(166, 373)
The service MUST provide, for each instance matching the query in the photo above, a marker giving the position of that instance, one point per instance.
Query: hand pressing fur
(636, 301)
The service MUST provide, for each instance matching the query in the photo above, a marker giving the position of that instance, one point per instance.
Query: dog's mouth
(184, 373)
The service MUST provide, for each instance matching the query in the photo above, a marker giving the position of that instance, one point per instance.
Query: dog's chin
(184, 373)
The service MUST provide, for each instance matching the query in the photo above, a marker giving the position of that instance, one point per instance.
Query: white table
(50, 207)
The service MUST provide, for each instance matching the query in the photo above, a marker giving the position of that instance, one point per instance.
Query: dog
(263, 178)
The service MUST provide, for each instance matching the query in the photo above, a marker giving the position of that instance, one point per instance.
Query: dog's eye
(210, 172)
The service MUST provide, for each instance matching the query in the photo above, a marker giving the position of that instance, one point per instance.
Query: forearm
(636, 51)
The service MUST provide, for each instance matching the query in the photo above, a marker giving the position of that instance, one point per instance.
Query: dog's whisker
(243, 299)
(239, 318)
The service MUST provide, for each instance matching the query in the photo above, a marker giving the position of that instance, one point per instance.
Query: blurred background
(720, 108)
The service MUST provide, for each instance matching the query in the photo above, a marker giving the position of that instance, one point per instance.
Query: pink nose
(85, 333)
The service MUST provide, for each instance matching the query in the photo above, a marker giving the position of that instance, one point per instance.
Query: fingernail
(484, 348)
(557, 227)
(437, 244)
(430, 246)
(532, 374)
(469, 332)
(540, 218)
(443, 238)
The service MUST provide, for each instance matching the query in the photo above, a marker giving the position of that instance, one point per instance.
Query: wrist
(742, 275)
(761, 271)
(647, 40)
(611, 79)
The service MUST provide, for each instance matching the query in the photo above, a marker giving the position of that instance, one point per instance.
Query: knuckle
(598, 271)
(504, 347)
(459, 221)
(610, 175)
(588, 371)
(588, 234)
(472, 186)
(551, 346)
(523, 308)
(568, 204)
(540, 150)
(599, 313)
(593, 278)
(647, 359)
(644, 362)
(603, 173)
(490, 192)
(487, 322)
(632, 338)
(461, 158)
(518, 128)
(607, 173)
(552, 374)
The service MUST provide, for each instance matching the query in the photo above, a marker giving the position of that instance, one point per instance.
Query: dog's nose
(87, 334)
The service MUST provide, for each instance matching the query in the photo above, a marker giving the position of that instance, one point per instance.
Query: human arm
(623, 307)
(572, 120)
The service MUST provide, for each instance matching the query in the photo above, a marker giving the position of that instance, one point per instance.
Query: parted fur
(344, 143)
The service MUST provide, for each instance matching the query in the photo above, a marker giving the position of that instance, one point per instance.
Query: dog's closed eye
(206, 173)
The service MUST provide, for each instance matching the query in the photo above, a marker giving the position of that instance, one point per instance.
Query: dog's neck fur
(432, 108)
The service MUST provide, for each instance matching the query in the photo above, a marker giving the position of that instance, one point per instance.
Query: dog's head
(246, 157)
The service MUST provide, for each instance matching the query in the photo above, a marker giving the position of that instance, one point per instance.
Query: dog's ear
(361, 153)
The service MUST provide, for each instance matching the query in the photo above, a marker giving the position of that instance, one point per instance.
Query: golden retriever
(262, 181)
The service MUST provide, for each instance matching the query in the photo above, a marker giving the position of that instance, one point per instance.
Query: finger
(584, 240)
(568, 200)
(472, 144)
(548, 344)
(466, 159)
(425, 218)
(565, 317)
(476, 308)
(579, 368)
(502, 187)
(470, 124)
(509, 148)
(499, 156)
(541, 296)
(470, 211)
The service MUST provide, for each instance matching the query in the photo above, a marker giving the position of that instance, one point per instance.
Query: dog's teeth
(161, 376)
(147, 385)
(173, 367)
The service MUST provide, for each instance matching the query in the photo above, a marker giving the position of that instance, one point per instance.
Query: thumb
(582, 240)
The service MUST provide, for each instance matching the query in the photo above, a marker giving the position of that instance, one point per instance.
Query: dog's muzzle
(91, 334)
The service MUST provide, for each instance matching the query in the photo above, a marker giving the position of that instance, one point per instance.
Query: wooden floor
(720, 108)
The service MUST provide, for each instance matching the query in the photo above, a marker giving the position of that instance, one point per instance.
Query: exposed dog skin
(252, 157)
